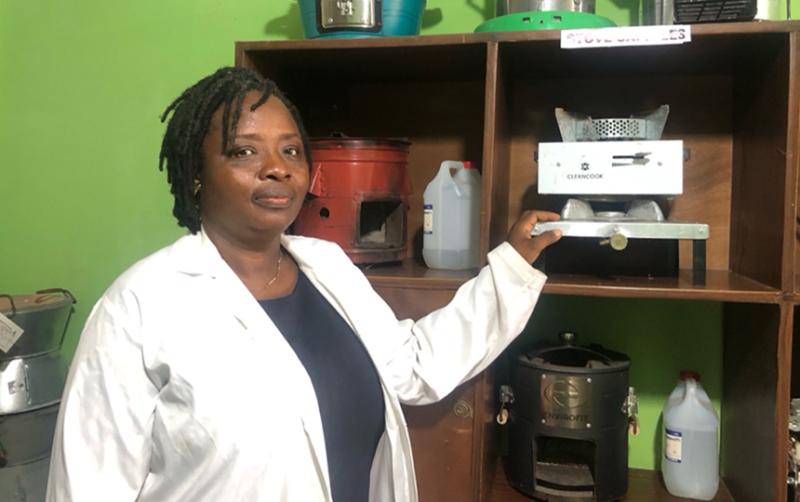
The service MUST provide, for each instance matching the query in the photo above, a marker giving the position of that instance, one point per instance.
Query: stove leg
(539, 264)
(699, 262)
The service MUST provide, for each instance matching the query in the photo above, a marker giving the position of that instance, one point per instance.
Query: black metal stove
(568, 424)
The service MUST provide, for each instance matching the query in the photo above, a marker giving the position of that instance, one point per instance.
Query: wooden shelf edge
(384, 281)
(665, 294)
(721, 286)
(643, 486)
(698, 30)
(409, 274)
(358, 43)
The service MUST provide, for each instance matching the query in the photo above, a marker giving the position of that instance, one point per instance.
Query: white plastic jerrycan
(690, 465)
(451, 227)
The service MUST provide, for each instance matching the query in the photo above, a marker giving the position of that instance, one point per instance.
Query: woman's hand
(520, 234)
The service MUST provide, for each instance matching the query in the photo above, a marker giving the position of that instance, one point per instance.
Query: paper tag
(626, 36)
(427, 219)
(9, 333)
(674, 446)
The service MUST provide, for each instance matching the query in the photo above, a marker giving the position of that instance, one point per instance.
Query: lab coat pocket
(231, 387)
(178, 430)
(233, 415)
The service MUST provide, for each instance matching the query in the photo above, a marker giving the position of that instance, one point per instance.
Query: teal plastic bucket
(398, 18)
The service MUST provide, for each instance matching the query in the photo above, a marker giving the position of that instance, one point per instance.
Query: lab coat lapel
(258, 325)
(329, 281)
(200, 257)
(335, 285)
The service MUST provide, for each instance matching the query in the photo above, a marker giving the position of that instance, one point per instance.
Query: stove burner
(635, 210)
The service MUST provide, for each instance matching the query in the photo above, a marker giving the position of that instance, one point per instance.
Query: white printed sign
(9, 333)
(626, 36)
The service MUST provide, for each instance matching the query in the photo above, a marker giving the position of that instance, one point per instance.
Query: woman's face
(256, 188)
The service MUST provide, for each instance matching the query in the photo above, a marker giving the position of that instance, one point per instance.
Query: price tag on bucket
(9, 333)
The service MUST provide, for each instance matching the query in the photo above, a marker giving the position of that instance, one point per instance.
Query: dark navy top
(345, 382)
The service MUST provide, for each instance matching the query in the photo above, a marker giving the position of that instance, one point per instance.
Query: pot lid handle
(567, 338)
(11, 301)
(58, 290)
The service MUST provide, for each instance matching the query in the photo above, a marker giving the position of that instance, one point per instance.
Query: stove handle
(630, 408)
(506, 400)
(62, 291)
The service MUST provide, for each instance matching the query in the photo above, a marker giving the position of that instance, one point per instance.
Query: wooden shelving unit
(734, 96)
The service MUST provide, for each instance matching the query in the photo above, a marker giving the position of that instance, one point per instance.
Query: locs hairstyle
(182, 146)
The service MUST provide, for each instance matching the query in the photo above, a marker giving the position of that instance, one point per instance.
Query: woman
(240, 363)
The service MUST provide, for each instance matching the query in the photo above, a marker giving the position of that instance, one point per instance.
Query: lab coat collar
(197, 255)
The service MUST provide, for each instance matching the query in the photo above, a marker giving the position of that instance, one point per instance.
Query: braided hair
(182, 146)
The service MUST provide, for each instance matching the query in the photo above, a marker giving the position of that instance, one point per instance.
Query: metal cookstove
(619, 176)
(568, 411)
(358, 197)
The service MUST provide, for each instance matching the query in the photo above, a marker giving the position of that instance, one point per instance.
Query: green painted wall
(82, 85)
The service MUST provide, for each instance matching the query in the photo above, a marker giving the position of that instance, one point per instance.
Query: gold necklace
(277, 271)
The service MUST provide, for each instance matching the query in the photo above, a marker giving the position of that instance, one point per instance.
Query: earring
(197, 186)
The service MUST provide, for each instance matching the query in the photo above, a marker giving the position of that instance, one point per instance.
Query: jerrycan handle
(448, 169)
(691, 389)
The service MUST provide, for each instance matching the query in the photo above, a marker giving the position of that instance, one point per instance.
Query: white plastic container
(690, 465)
(452, 207)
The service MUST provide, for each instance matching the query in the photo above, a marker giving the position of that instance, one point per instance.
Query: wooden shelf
(698, 30)
(412, 274)
(721, 285)
(643, 486)
(713, 46)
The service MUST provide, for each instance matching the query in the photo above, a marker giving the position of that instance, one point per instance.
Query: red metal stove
(359, 197)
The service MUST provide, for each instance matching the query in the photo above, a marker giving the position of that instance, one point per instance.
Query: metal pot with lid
(32, 376)
(504, 7)
(33, 371)
(43, 316)
(569, 411)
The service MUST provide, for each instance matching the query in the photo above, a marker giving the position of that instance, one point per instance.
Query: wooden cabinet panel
(443, 435)
(753, 447)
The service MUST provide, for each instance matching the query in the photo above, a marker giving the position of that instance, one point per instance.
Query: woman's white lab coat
(182, 389)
